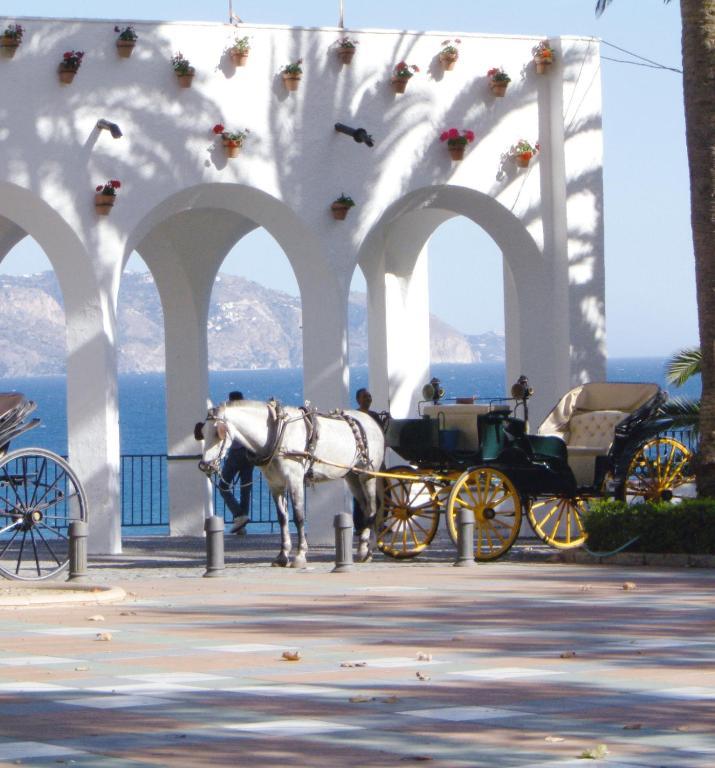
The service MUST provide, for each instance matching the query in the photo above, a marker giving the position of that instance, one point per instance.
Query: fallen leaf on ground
(568, 654)
(96, 617)
(391, 700)
(629, 585)
(128, 613)
(554, 739)
(103, 636)
(417, 758)
(353, 664)
(81, 669)
(595, 753)
(585, 588)
(424, 656)
(360, 699)
(422, 676)
(291, 655)
(633, 727)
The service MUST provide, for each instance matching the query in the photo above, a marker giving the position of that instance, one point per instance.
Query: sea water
(142, 404)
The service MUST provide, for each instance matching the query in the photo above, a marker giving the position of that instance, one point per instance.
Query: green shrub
(685, 528)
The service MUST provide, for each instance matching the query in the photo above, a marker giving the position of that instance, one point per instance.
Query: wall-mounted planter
(125, 48)
(9, 46)
(399, 84)
(185, 78)
(499, 87)
(542, 65)
(457, 151)
(103, 203)
(291, 81)
(232, 147)
(239, 58)
(66, 74)
(448, 60)
(339, 211)
(523, 159)
(346, 55)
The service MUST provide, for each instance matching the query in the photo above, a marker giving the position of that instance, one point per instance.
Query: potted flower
(457, 141)
(341, 206)
(543, 56)
(71, 62)
(184, 71)
(498, 80)
(291, 74)
(126, 40)
(105, 196)
(232, 140)
(401, 75)
(346, 49)
(11, 39)
(522, 152)
(449, 54)
(239, 51)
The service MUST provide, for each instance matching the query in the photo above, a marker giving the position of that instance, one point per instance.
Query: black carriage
(600, 440)
(40, 496)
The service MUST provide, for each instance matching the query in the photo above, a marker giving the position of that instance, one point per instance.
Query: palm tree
(698, 41)
(683, 365)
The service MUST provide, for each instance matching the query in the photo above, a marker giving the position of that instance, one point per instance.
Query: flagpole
(341, 23)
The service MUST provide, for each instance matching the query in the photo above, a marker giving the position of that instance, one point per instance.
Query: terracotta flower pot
(448, 60)
(185, 79)
(9, 45)
(498, 87)
(239, 58)
(291, 82)
(125, 48)
(66, 75)
(399, 84)
(340, 211)
(523, 159)
(346, 55)
(232, 147)
(103, 203)
(541, 64)
(457, 151)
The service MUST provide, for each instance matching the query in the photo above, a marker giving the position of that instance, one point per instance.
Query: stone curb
(46, 594)
(661, 560)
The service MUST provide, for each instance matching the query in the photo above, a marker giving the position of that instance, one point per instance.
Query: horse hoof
(299, 561)
(364, 555)
(281, 561)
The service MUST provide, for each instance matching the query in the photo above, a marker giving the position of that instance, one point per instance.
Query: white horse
(293, 445)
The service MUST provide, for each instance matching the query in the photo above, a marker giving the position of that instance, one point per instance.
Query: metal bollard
(343, 523)
(215, 564)
(465, 538)
(78, 532)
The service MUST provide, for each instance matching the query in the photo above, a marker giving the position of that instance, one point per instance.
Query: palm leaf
(684, 412)
(683, 365)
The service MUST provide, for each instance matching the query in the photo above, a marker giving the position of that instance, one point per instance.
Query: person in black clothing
(364, 401)
(237, 463)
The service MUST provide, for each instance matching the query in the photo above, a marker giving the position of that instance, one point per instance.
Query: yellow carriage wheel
(558, 520)
(496, 505)
(659, 471)
(409, 517)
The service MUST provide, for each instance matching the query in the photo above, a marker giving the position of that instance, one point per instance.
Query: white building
(183, 205)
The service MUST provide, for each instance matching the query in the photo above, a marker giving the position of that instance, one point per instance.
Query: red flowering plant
(234, 137)
(14, 31)
(109, 187)
(404, 70)
(498, 75)
(524, 150)
(71, 60)
(457, 138)
(543, 51)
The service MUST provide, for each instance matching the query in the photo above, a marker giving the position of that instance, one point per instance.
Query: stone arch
(209, 220)
(392, 258)
(92, 424)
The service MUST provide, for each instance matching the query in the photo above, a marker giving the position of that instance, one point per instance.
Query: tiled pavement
(520, 663)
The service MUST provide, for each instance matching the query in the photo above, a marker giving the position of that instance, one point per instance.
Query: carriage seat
(10, 400)
(586, 418)
(459, 419)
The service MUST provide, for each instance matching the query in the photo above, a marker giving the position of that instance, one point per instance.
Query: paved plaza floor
(516, 664)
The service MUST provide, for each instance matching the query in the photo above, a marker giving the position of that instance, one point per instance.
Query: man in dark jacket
(237, 463)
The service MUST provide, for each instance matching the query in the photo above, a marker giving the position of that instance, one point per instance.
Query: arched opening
(33, 347)
(466, 301)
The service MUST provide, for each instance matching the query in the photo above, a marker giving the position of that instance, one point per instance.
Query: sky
(650, 284)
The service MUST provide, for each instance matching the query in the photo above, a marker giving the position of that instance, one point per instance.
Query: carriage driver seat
(585, 419)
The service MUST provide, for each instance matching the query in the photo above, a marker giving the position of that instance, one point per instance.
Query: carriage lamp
(113, 128)
(521, 390)
(433, 391)
(360, 135)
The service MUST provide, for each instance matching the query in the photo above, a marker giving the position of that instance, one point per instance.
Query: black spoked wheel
(39, 497)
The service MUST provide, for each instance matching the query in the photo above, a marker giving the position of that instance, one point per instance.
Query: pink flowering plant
(404, 70)
(128, 33)
(456, 138)
(109, 187)
(295, 68)
(14, 31)
(234, 137)
(498, 75)
(347, 42)
(449, 47)
(524, 149)
(71, 60)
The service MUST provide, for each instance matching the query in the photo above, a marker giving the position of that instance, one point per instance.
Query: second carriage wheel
(558, 520)
(39, 497)
(409, 517)
(496, 505)
(660, 470)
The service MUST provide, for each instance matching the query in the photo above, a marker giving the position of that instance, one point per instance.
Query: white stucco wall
(183, 205)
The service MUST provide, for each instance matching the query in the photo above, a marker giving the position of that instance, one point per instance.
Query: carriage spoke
(43, 468)
(9, 481)
(22, 547)
(12, 538)
(49, 548)
(34, 551)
